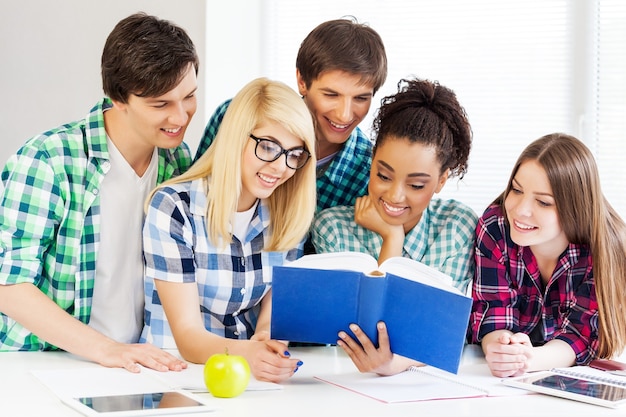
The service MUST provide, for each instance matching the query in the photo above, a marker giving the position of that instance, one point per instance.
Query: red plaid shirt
(508, 292)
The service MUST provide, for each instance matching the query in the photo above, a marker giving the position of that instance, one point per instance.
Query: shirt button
(236, 333)
(243, 291)
(235, 314)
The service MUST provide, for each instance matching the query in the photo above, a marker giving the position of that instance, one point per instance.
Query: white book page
(417, 271)
(192, 379)
(362, 262)
(587, 372)
(403, 387)
(475, 375)
(98, 381)
(101, 381)
(351, 261)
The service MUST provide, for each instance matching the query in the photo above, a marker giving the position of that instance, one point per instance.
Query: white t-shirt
(242, 221)
(118, 294)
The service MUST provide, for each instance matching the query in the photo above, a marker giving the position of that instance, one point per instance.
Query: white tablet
(574, 388)
(147, 404)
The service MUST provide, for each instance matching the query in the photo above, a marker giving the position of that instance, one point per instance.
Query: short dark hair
(345, 45)
(145, 56)
(426, 112)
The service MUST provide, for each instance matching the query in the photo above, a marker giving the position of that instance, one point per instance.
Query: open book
(316, 296)
(580, 383)
(423, 384)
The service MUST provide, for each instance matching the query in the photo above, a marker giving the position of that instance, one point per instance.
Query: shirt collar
(416, 241)
(198, 203)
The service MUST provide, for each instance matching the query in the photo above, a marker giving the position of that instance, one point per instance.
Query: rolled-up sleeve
(493, 297)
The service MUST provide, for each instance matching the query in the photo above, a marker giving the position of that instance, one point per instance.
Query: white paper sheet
(98, 381)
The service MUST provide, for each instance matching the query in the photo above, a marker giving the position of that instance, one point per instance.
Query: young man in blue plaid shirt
(71, 266)
(340, 65)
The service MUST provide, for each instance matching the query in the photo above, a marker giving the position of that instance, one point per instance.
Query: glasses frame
(283, 151)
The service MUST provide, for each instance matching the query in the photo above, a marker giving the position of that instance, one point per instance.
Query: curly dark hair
(426, 112)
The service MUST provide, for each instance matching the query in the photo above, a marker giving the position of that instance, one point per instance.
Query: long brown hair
(586, 218)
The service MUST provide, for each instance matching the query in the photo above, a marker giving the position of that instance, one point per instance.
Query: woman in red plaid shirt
(550, 281)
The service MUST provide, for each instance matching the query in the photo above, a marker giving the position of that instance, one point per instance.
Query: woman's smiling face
(531, 210)
(403, 179)
(261, 178)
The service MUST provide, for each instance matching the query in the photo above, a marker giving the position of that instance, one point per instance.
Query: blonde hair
(292, 204)
(587, 218)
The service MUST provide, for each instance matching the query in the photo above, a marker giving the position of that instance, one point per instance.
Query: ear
(301, 84)
(118, 105)
(442, 181)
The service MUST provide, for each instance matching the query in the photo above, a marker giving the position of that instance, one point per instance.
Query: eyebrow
(536, 192)
(160, 100)
(330, 90)
(272, 138)
(411, 175)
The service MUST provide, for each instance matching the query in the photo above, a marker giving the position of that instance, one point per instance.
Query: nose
(524, 207)
(344, 111)
(180, 115)
(280, 165)
(396, 193)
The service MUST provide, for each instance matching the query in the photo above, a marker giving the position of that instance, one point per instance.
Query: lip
(267, 181)
(173, 132)
(392, 210)
(522, 227)
(339, 127)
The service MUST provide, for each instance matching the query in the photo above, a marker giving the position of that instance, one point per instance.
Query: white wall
(233, 49)
(50, 71)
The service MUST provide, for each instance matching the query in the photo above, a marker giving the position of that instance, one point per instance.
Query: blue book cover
(319, 295)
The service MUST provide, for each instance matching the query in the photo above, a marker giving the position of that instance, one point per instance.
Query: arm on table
(27, 305)
(269, 359)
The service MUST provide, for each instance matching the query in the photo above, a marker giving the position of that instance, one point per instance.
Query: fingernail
(295, 370)
(353, 327)
(299, 363)
(341, 335)
(287, 353)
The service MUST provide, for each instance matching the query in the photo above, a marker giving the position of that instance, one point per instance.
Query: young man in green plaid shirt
(71, 213)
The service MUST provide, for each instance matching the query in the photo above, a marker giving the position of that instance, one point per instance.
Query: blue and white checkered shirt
(231, 281)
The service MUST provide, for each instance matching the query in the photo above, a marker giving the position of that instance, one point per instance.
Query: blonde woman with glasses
(213, 234)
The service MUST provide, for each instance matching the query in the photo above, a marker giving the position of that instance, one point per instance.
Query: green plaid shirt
(345, 178)
(50, 217)
(443, 238)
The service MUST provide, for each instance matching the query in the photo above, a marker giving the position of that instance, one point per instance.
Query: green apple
(225, 375)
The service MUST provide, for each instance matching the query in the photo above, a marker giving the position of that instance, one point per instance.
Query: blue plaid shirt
(50, 217)
(443, 238)
(340, 183)
(231, 281)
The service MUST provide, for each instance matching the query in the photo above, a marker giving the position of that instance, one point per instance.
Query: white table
(21, 394)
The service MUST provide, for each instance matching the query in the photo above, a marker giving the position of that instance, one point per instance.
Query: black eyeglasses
(268, 151)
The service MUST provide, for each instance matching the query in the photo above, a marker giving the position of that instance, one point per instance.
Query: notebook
(423, 383)
(579, 383)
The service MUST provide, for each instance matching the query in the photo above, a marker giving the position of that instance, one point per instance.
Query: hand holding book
(369, 358)
(317, 296)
